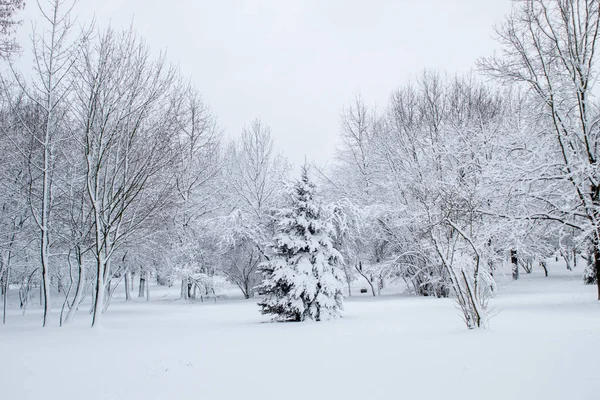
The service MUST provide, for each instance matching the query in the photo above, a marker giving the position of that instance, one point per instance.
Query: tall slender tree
(46, 120)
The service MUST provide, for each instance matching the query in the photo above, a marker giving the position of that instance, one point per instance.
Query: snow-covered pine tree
(302, 279)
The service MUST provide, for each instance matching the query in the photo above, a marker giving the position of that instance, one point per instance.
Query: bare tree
(255, 173)
(75, 225)
(14, 213)
(199, 164)
(45, 121)
(127, 116)
(550, 47)
(254, 178)
(414, 181)
(352, 188)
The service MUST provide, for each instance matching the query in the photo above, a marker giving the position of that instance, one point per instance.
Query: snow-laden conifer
(302, 279)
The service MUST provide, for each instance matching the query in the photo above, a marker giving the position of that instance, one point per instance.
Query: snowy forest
(121, 195)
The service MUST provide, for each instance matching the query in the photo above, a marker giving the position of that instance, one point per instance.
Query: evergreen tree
(302, 279)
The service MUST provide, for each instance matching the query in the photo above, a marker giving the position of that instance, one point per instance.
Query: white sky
(296, 63)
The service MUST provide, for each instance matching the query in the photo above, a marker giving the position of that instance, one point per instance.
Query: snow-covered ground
(544, 343)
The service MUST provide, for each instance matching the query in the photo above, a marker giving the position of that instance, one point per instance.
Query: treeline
(114, 169)
(460, 174)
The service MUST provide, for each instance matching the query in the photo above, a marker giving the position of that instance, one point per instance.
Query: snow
(542, 344)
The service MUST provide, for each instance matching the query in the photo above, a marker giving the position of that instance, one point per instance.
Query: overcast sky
(296, 63)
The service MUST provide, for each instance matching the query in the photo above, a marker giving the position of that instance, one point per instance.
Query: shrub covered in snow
(589, 275)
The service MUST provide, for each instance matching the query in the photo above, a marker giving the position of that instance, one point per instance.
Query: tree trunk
(79, 291)
(107, 288)
(543, 264)
(147, 280)
(248, 292)
(515, 261)
(244, 288)
(184, 289)
(5, 293)
(127, 284)
(380, 284)
(360, 271)
(45, 281)
(597, 262)
(99, 300)
(565, 255)
(142, 285)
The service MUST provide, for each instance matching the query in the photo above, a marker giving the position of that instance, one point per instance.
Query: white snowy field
(544, 343)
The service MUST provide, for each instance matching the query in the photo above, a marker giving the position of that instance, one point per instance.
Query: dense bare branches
(434, 158)
(8, 25)
(255, 178)
(550, 47)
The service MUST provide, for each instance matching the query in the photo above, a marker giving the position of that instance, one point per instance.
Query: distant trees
(198, 165)
(354, 192)
(113, 167)
(423, 184)
(254, 180)
(455, 178)
(255, 172)
(15, 229)
(8, 25)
